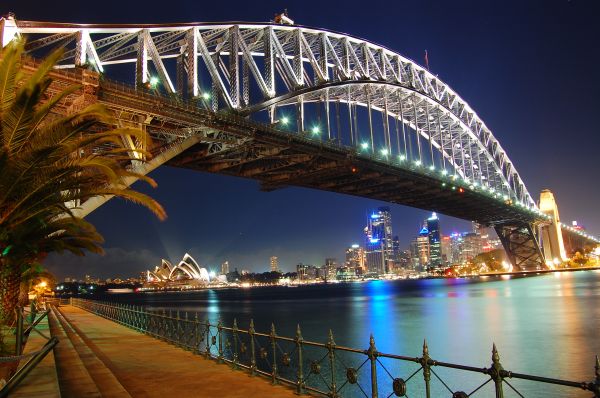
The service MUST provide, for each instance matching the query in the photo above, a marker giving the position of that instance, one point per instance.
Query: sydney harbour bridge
(289, 105)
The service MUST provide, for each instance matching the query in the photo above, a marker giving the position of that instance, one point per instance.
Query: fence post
(274, 362)
(207, 353)
(596, 385)
(19, 331)
(252, 350)
(372, 353)
(31, 312)
(426, 369)
(235, 344)
(196, 334)
(331, 354)
(177, 329)
(300, 375)
(220, 334)
(495, 372)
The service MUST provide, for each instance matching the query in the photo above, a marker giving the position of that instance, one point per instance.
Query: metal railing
(323, 368)
(21, 335)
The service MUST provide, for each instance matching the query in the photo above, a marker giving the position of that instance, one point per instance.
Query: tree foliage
(48, 163)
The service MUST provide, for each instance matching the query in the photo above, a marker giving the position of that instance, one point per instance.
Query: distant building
(329, 269)
(446, 246)
(274, 264)
(380, 253)
(307, 272)
(435, 241)
(225, 268)
(471, 246)
(356, 259)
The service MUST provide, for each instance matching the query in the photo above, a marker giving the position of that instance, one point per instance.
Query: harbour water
(547, 325)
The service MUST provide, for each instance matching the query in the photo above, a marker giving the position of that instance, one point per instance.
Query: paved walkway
(147, 367)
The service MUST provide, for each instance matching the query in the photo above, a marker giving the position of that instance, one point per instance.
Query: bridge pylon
(551, 233)
(521, 245)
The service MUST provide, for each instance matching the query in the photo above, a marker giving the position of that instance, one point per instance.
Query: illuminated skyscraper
(379, 243)
(355, 259)
(435, 244)
(225, 268)
(274, 264)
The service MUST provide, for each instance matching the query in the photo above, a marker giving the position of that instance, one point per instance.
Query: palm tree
(46, 163)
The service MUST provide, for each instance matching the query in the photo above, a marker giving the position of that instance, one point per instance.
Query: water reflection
(546, 325)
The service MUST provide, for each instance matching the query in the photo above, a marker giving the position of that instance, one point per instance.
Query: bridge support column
(552, 238)
(521, 246)
(8, 30)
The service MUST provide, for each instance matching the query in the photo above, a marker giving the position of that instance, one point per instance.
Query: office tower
(355, 259)
(435, 244)
(225, 268)
(329, 268)
(274, 264)
(379, 243)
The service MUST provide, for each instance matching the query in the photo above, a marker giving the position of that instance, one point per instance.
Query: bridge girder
(253, 67)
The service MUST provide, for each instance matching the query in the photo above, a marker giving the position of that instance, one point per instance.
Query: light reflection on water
(546, 325)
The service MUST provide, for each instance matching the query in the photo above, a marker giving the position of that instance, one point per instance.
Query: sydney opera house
(187, 272)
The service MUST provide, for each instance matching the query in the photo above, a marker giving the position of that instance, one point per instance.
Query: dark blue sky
(529, 68)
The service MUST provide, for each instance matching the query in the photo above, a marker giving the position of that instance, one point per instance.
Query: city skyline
(488, 73)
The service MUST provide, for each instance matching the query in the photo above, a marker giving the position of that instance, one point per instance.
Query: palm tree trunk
(10, 283)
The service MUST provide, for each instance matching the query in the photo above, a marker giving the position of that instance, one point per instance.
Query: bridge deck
(147, 367)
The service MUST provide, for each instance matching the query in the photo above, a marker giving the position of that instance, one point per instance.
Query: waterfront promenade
(100, 358)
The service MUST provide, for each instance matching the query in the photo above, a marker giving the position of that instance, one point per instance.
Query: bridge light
(315, 130)
(206, 95)
(402, 157)
(443, 184)
(431, 167)
(418, 162)
(284, 120)
(444, 172)
(364, 145)
(154, 81)
(384, 152)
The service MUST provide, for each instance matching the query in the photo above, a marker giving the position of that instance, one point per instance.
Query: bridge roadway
(97, 357)
(279, 159)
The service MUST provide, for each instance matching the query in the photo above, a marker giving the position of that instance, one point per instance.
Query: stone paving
(147, 367)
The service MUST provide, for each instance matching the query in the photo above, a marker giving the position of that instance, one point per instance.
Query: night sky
(528, 68)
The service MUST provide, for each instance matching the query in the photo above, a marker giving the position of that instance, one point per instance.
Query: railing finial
(331, 341)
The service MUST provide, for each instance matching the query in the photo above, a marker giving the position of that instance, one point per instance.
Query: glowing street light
(315, 130)
(384, 151)
(284, 120)
(364, 145)
(206, 95)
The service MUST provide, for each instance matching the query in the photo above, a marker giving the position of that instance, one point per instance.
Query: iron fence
(327, 369)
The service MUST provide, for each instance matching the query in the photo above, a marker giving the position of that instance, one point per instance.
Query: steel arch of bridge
(251, 68)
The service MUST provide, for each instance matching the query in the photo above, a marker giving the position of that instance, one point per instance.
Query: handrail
(34, 324)
(286, 359)
(28, 367)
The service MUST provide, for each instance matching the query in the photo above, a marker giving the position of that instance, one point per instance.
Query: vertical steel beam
(323, 55)
(300, 114)
(141, 66)
(269, 59)
(369, 110)
(298, 64)
(191, 39)
(328, 122)
(245, 83)
(234, 63)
